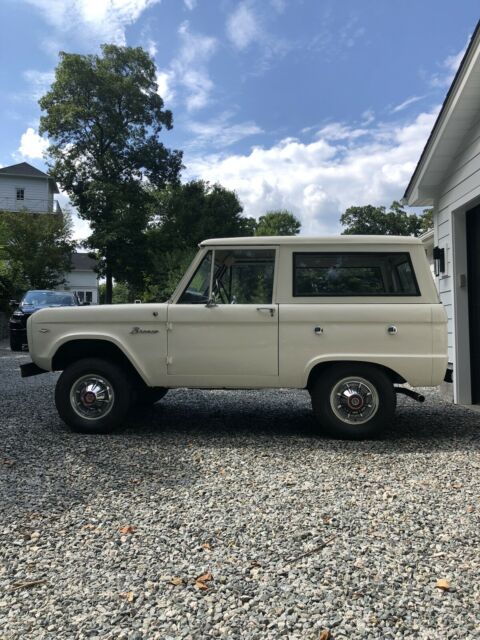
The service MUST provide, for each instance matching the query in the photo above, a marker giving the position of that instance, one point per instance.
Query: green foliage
(121, 293)
(370, 220)
(36, 250)
(103, 116)
(278, 223)
(186, 214)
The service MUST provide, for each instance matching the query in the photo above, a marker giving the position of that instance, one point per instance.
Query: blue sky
(310, 105)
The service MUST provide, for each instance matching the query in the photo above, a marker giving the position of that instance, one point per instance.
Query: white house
(447, 178)
(82, 278)
(25, 187)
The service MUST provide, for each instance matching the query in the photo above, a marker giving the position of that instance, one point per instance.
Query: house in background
(23, 187)
(82, 279)
(447, 178)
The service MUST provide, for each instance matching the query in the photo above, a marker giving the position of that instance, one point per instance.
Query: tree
(186, 214)
(370, 220)
(103, 116)
(278, 223)
(37, 249)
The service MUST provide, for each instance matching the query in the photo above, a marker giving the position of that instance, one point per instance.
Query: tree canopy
(103, 117)
(370, 220)
(36, 250)
(184, 215)
(278, 223)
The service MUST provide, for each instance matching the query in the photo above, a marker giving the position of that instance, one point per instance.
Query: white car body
(264, 344)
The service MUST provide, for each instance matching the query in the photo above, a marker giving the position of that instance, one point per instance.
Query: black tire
(109, 385)
(15, 343)
(146, 396)
(341, 416)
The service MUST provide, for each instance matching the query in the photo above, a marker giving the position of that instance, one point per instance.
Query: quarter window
(353, 274)
(20, 194)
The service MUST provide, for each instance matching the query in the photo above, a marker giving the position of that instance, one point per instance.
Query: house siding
(459, 193)
(38, 194)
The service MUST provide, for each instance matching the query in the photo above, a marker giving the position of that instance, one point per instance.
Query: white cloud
(39, 82)
(449, 68)
(221, 132)
(189, 69)
(99, 20)
(164, 81)
(406, 103)
(318, 180)
(190, 4)
(32, 145)
(243, 27)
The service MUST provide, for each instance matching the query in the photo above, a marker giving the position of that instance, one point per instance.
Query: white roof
(309, 240)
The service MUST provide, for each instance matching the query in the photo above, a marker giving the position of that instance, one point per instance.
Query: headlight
(18, 314)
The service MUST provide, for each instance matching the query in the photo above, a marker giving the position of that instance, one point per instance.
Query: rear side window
(353, 274)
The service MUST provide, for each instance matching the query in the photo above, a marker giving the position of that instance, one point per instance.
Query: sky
(308, 105)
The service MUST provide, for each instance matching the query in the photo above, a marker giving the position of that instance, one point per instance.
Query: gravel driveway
(225, 515)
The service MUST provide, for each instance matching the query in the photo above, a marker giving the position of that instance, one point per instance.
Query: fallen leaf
(135, 481)
(222, 471)
(129, 596)
(200, 581)
(457, 485)
(176, 581)
(201, 585)
(326, 519)
(470, 508)
(127, 529)
(8, 462)
(442, 584)
(88, 526)
(206, 546)
(325, 635)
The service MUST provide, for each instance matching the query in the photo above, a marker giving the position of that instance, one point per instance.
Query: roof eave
(413, 195)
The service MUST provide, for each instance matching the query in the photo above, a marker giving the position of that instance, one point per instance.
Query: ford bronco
(351, 319)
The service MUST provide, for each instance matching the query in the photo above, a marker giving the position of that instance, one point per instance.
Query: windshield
(49, 299)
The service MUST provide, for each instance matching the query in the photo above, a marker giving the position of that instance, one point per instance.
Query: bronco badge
(137, 330)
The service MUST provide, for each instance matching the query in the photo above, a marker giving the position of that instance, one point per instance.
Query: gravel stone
(300, 532)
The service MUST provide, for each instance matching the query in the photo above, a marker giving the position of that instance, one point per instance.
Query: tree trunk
(108, 286)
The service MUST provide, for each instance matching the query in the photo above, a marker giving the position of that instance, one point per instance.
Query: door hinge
(169, 326)
(169, 360)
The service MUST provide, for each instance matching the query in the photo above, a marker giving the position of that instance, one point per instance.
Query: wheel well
(320, 368)
(79, 349)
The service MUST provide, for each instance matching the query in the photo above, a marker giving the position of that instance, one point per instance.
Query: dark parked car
(33, 301)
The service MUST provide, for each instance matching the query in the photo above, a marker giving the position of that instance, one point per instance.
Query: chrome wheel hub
(354, 400)
(92, 397)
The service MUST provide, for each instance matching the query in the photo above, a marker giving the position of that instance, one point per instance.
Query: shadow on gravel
(252, 418)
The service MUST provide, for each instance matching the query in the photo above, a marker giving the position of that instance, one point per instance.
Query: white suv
(349, 318)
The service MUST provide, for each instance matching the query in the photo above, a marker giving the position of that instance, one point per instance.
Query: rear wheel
(93, 395)
(353, 401)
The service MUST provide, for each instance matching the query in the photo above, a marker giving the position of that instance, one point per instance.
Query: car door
(223, 329)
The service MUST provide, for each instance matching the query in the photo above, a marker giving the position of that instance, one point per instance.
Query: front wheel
(93, 396)
(353, 401)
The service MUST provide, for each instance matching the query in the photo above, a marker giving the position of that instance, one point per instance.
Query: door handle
(271, 310)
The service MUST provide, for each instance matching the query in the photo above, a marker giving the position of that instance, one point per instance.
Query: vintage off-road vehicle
(349, 318)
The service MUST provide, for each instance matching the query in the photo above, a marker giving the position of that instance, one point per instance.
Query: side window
(197, 290)
(353, 274)
(244, 276)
